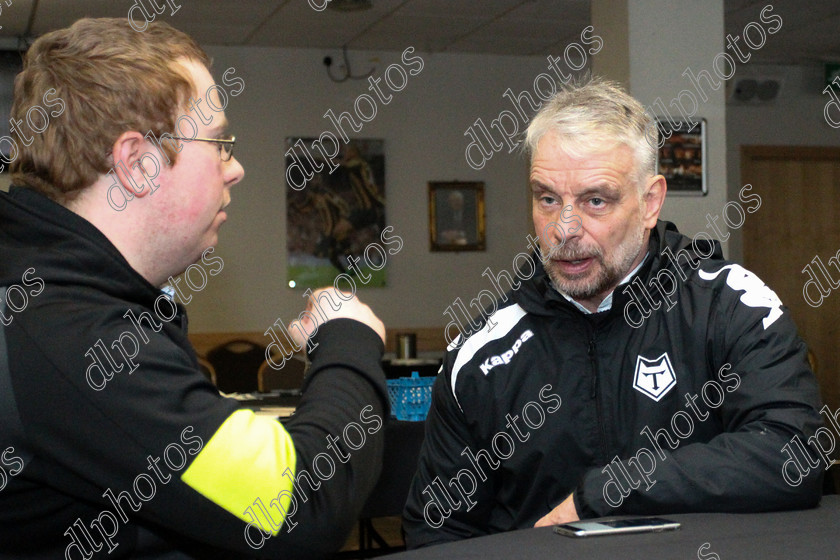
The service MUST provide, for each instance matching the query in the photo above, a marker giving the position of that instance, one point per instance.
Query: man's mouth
(573, 266)
(576, 260)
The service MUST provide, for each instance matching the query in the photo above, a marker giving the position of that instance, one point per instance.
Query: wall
(287, 93)
(795, 118)
(690, 37)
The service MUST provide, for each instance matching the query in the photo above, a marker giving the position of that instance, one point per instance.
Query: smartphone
(616, 526)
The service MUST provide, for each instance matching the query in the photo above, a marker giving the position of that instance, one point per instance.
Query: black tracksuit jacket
(685, 410)
(182, 462)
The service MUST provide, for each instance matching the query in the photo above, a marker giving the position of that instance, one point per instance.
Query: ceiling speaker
(744, 90)
(755, 90)
(768, 90)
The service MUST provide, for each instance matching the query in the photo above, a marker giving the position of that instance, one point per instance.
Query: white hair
(595, 117)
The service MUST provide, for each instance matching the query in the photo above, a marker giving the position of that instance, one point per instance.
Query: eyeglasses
(225, 144)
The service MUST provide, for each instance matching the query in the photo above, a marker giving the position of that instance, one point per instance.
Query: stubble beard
(606, 275)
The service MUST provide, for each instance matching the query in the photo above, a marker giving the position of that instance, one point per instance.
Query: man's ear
(127, 153)
(653, 199)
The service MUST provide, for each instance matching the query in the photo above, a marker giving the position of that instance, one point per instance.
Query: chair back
(236, 363)
(207, 369)
(287, 378)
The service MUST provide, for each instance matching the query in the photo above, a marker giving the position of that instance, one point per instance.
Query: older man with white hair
(571, 401)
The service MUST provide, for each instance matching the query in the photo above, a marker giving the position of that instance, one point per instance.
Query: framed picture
(682, 157)
(335, 209)
(456, 216)
(11, 64)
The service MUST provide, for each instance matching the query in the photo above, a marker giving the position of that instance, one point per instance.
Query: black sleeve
(430, 517)
(345, 399)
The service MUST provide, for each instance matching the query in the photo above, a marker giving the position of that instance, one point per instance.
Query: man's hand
(564, 513)
(347, 309)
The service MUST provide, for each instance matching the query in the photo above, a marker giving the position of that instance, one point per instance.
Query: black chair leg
(373, 535)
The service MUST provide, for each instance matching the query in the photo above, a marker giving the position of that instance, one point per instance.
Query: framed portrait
(682, 156)
(335, 210)
(456, 216)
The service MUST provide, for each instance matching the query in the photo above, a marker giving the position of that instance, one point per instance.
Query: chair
(236, 363)
(812, 361)
(288, 378)
(831, 478)
(207, 369)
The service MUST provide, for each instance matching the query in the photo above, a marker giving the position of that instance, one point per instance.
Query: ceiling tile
(438, 8)
(296, 20)
(15, 18)
(518, 46)
(809, 31)
(55, 14)
(558, 11)
(543, 30)
(427, 33)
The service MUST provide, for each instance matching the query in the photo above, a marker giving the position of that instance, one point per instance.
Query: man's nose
(234, 172)
(566, 225)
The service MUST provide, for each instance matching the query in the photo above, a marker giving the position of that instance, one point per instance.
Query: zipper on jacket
(593, 360)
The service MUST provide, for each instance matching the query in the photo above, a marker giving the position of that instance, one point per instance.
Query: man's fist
(347, 309)
(564, 513)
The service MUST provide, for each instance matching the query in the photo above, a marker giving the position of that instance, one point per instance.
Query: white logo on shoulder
(756, 293)
(505, 358)
(654, 378)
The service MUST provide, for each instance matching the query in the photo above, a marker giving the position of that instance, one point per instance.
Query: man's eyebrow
(603, 189)
(537, 186)
(221, 128)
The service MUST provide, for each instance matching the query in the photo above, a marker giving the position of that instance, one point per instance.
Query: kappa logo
(505, 358)
(756, 293)
(654, 378)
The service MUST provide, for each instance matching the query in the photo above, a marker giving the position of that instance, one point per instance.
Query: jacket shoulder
(743, 288)
(495, 338)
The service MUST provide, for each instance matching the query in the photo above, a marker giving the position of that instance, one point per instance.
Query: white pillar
(652, 45)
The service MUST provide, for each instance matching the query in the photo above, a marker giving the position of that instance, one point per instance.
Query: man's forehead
(555, 147)
(203, 84)
(193, 70)
(554, 169)
(199, 75)
(614, 161)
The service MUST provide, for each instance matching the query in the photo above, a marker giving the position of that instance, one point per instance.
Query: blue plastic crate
(410, 397)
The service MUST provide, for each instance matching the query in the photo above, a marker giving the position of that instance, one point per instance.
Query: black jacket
(154, 438)
(540, 403)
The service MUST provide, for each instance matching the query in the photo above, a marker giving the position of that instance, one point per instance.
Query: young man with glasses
(111, 438)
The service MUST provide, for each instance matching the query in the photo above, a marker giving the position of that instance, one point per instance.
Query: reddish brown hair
(112, 79)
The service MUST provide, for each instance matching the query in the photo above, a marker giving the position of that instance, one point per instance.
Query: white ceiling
(811, 30)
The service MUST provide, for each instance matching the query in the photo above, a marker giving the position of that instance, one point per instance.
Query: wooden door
(796, 224)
